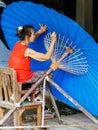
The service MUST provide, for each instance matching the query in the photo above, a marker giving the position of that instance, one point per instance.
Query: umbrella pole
(71, 99)
(17, 105)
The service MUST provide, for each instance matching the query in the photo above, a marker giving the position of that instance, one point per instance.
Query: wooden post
(84, 14)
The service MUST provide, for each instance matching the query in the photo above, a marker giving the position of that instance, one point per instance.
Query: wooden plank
(17, 119)
(15, 86)
(1, 94)
(30, 105)
(1, 112)
(6, 104)
(1, 98)
(9, 86)
(4, 80)
(39, 115)
(5, 70)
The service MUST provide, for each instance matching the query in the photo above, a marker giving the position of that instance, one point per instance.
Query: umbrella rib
(79, 43)
(77, 70)
(72, 55)
(74, 63)
(70, 58)
(76, 33)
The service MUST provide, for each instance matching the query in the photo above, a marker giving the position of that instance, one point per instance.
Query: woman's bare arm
(41, 56)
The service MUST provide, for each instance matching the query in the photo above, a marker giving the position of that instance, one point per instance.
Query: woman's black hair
(22, 31)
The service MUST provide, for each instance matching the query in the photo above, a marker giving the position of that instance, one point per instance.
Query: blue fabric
(83, 88)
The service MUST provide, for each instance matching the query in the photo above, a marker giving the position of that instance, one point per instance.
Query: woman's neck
(24, 42)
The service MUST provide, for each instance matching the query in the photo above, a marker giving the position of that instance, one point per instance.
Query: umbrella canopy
(78, 72)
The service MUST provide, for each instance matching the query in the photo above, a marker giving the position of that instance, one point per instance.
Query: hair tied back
(20, 28)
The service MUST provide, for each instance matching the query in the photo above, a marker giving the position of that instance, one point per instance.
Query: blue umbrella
(78, 72)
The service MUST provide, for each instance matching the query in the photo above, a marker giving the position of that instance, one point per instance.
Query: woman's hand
(53, 37)
(43, 28)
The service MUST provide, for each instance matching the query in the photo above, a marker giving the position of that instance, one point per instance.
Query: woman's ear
(27, 38)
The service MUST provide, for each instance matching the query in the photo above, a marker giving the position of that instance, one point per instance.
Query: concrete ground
(71, 122)
(74, 122)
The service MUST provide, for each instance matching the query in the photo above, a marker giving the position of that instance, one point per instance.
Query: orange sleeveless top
(20, 63)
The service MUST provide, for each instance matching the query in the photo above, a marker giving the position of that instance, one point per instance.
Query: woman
(21, 55)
